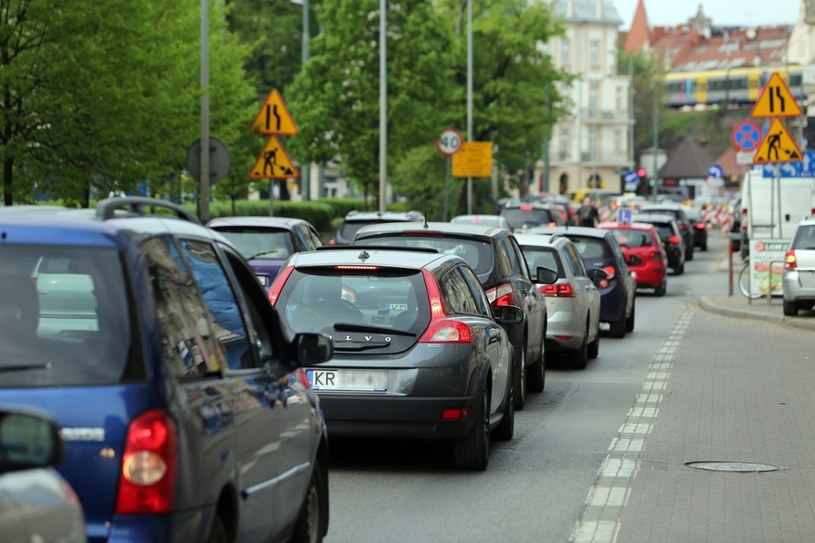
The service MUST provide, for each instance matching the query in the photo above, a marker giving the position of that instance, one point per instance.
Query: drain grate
(735, 467)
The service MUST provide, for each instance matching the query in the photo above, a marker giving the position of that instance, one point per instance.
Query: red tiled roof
(727, 161)
(638, 35)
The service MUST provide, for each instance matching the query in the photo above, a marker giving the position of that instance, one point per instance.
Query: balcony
(603, 116)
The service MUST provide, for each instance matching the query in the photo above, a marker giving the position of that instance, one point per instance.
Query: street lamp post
(306, 54)
(203, 192)
(383, 103)
(469, 96)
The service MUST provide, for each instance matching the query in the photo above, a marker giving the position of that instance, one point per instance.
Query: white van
(772, 208)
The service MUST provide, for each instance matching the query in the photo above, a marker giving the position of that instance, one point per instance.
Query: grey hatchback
(418, 351)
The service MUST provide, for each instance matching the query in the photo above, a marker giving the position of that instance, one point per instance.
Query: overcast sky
(722, 12)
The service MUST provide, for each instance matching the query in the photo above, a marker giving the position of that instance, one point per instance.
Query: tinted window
(542, 256)
(259, 242)
(632, 238)
(592, 249)
(476, 253)
(804, 237)
(65, 317)
(350, 228)
(531, 216)
(574, 260)
(477, 291)
(457, 296)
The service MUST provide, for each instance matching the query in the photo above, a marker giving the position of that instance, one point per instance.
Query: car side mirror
(545, 276)
(310, 348)
(634, 260)
(28, 440)
(598, 274)
(508, 314)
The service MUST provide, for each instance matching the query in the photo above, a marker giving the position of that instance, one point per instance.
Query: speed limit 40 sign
(450, 142)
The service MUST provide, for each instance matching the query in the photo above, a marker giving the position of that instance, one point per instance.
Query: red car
(641, 240)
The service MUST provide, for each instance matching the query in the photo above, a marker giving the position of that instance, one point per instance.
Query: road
(536, 486)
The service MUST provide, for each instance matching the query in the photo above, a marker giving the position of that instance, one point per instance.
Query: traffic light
(642, 186)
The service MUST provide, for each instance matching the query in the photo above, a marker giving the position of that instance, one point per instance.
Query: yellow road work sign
(474, 159)
(273, 163)
(776, 100)
(777, 146)
(274, 117)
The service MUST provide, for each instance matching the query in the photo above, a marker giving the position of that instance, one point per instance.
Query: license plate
(349, 379)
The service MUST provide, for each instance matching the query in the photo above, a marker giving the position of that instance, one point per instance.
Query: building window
(594, 92)
(594, 53)
(563, 143)
(564, 53)
(619, 99)
(593, 145)
(618, 141)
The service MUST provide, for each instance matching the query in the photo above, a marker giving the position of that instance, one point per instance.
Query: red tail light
(790, 262)
(331, 243)
(611, 272)
(552, 224)
(500, 295)
(526, 207)
(277, 284)
(442, 329)
(674, 240)
(699, 226)
(557, 290)
(147, 480)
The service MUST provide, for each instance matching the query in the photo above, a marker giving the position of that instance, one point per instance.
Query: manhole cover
(738, 467)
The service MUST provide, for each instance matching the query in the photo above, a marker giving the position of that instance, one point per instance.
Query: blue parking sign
(624, 215)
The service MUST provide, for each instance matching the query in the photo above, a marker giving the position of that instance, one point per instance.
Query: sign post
(448, 144)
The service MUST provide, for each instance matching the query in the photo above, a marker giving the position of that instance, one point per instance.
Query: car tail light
(790, 262)
(147, 480)
(331, 243)
(500, 295)
(456, 413)
(277, 284)
(674, 239)
(552, 224)
(611, 272)
(442, 329)
(699, 226)
(557, 290)
(526, 207)
(356, 267)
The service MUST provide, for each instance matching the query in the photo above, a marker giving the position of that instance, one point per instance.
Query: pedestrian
(587, 214)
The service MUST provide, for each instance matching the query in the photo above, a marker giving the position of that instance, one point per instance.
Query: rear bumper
(177, 527)
(564, 323)
(368, 415)
(650, 277)
(612, 303)
(799, 286)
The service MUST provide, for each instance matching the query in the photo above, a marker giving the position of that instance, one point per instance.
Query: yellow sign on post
(474, 159)
(776, 100)
(274, 117)
(777, 146)
(273, 163)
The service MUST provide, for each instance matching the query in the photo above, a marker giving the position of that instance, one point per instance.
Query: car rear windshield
(349, 228)
(542, 256)
(519, 216)
(804, 237)
(633, 238)
(381, 309)
(474, 251)
(592, 249)
(259, 242)
(65, 318)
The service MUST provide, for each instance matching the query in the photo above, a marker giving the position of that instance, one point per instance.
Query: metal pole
(469, 96)
(631, 112)
(203, 193)
(383, 104)
(446, 189)
(655, 144)
(306, 173)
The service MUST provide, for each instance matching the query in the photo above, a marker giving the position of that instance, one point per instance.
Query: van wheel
(473, 450)
(308, 528)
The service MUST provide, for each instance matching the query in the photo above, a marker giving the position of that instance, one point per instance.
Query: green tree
(105, 94)
(648, 87)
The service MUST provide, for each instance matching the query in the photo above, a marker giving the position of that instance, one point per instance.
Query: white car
(572, 302)
(799, 270)
(36, 504)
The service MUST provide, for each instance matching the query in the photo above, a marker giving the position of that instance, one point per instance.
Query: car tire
(617, 329)
(594, 346)
(217, 532)
(312, 517)
(661, 289)
(536, 373)
(473, 450)
(689, 255)
(629, 322)
(704, 246)
(519, 380)
(506, 428)
(790, 308)
(680, 270)
(578, 358)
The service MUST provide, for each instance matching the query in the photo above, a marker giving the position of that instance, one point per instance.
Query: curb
(707, 304)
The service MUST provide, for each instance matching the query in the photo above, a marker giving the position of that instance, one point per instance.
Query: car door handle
(494, 337)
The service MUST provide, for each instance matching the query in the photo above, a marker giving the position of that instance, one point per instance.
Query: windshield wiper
(25, 367)
(348, 327)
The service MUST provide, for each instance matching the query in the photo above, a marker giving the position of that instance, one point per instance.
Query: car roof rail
(106, 209)
(416, 249)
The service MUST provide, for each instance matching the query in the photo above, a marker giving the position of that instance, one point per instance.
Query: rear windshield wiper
(25, 367)
(260, 254)
(348, 327)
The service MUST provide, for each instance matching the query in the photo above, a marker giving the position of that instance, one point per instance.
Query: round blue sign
(715, 171)
(746, 135)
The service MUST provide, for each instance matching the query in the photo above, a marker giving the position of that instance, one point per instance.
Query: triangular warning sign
(776, 100)
(273, 163)
(777, 146)
(274, 117)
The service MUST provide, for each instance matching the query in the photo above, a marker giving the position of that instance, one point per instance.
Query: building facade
(592, 146)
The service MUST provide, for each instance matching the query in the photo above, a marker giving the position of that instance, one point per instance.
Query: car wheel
(629, 322)
(519, 380)
(790, 308)
(217, 532)
(580, 356)
(704, 246)
(473, 450)
(536, 373)
(594, 346)
(308, 528)
(680, 270)
(689, 254)
(506, 428)
(617, 329)
(660, 290)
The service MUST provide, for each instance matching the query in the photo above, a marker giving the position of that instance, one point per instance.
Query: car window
(259, 242)
(519, 258)
(313, 238)
(482, 304)
(475, 252)
(804, 237)
(574, 260)
(66, 316)
(457, 295)
(527, 215)
(546, 257)
(591, 249)
(229, 327)
(632, 238)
